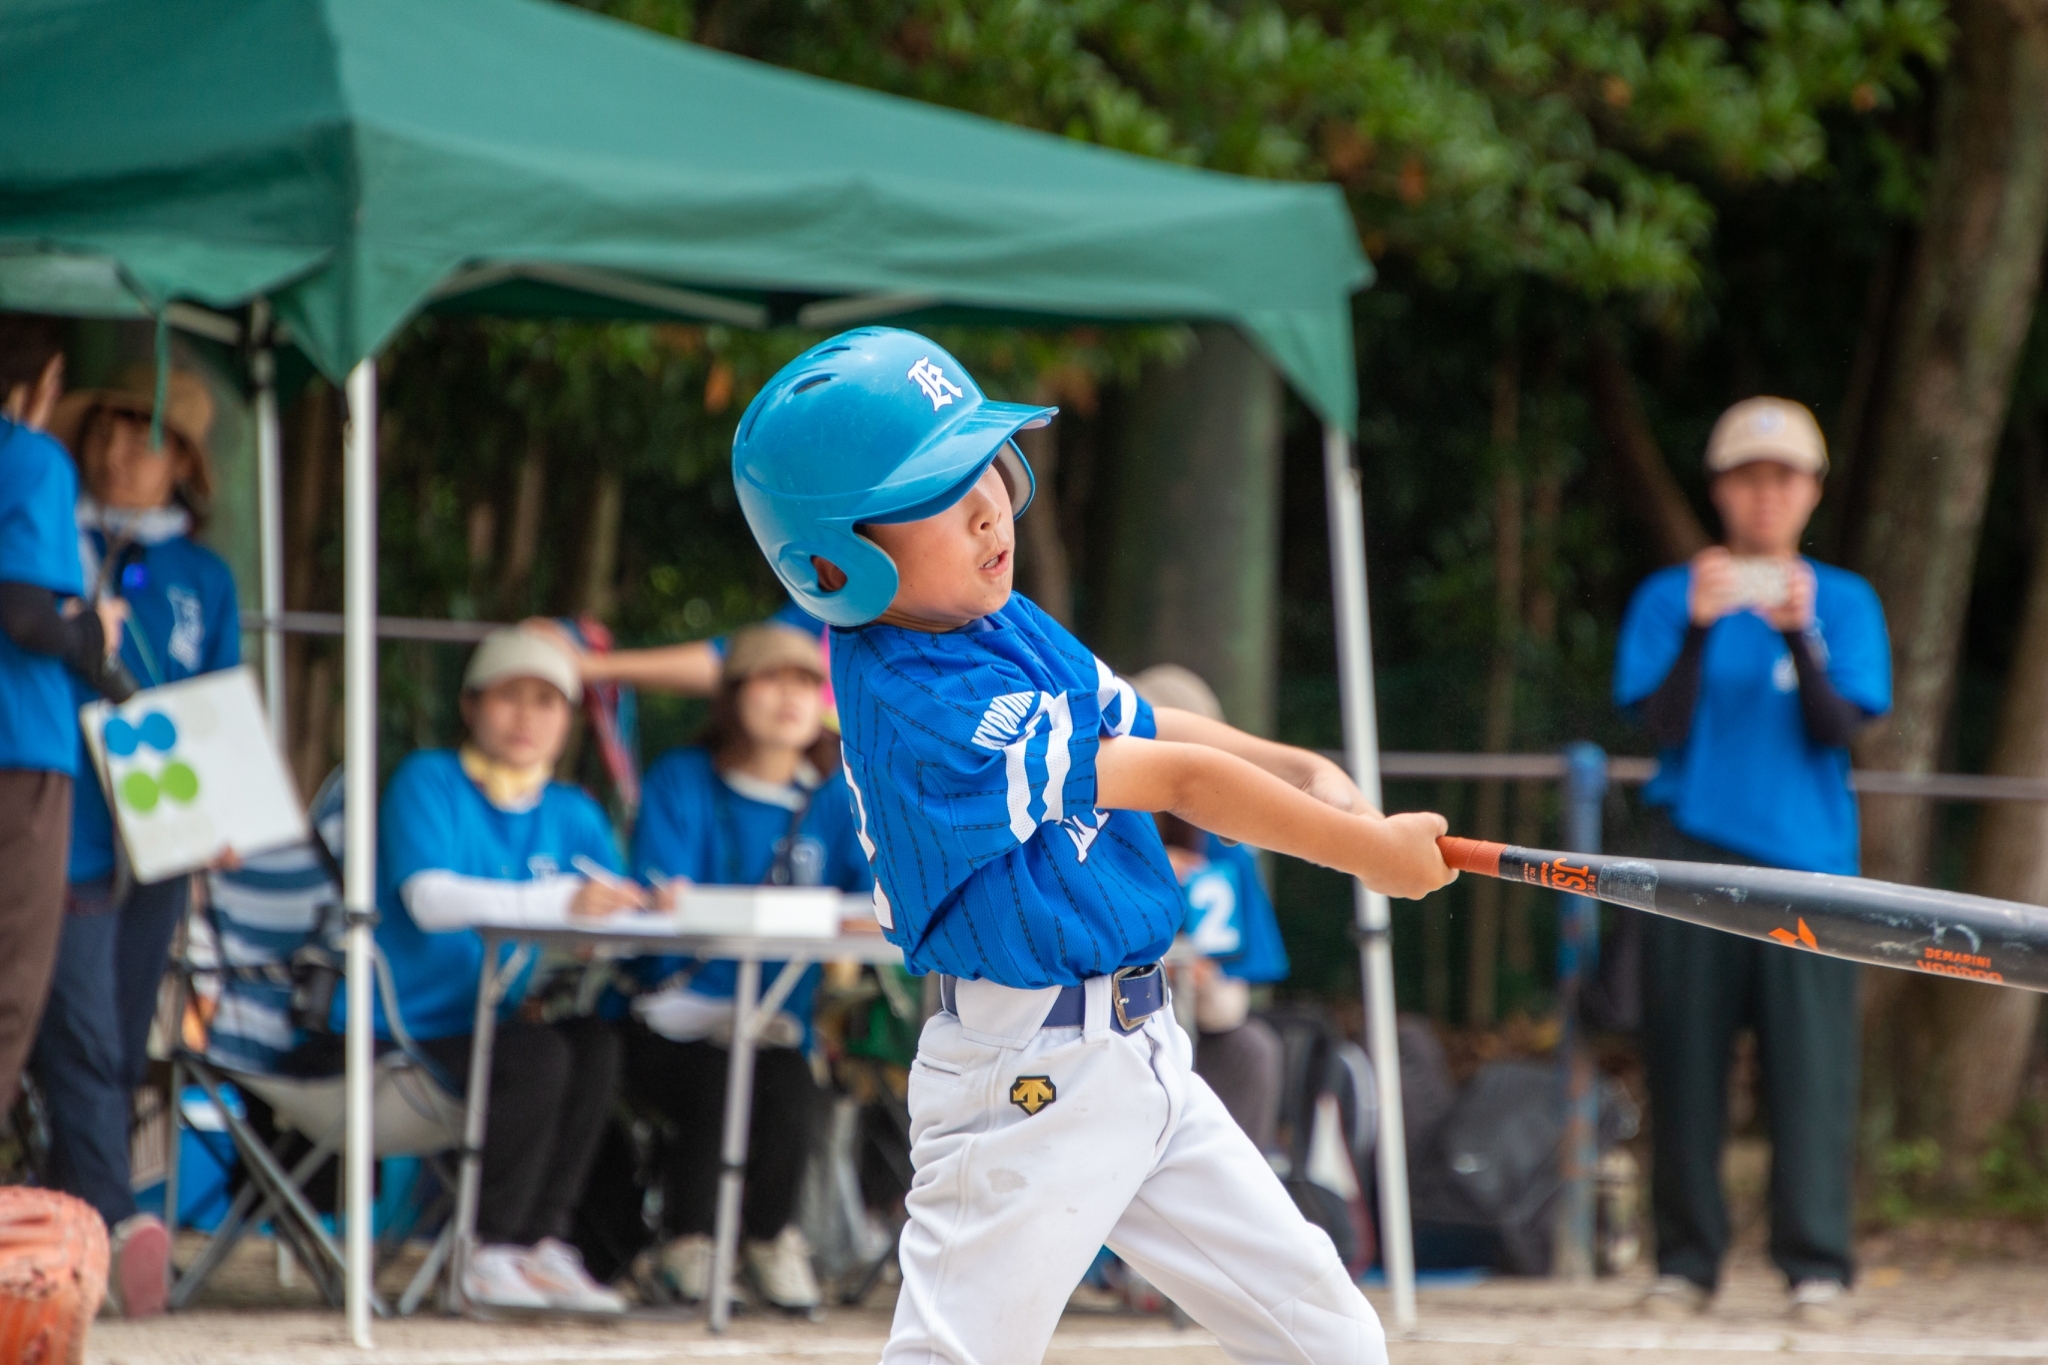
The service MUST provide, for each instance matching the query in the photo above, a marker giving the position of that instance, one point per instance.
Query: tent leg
(1376, 958)
(269, 517)
(359, 760)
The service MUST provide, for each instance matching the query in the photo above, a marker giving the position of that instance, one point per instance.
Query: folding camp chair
(267, 934)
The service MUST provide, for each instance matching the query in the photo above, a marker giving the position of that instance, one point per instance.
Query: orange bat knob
(1471, 855)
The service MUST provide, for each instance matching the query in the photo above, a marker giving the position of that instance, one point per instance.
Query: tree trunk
(1539, 630)
(1482, 991)
(1961, 322)
(597, 584)
(1969, 300)
(522, 535)
(316, 431)
(1618, 411)
(1978, 1038)
(1191, 559)
(1845, 498)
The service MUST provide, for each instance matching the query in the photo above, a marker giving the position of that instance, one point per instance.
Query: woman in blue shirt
(139, 511)
(483, 834)
(759, 799)
(1753, 668)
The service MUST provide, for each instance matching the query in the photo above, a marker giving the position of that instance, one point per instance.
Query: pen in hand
(604, 892)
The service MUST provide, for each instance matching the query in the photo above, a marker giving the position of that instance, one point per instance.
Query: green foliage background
(1715, 182)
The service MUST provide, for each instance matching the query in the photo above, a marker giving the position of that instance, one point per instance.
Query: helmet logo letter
(933, 381)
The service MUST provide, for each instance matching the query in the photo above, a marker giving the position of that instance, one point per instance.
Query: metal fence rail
(1634, 771)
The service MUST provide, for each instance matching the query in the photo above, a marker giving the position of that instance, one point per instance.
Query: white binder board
(190, 772)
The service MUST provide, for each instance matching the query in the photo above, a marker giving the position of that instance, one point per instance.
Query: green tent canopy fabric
(358, 161)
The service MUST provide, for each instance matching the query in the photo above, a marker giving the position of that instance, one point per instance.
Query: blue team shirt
(695, 827)
(971, 757)
(38, 546)
(1229, 916)
(434, 817)
(1747, 777)
(182, 621)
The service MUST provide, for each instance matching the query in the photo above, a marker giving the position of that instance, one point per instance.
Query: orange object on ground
(53, 1274)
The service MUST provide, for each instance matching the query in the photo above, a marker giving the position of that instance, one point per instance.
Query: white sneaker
(782, 1270)
(556, 1269)
(495, 1279)
(1822, 1303)
(1673, 1297)
(686, 1262)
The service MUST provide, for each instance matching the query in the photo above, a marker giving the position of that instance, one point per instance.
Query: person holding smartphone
(1753, 667)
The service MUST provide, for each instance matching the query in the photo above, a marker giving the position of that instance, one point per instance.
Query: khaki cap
(1179, 688)
(188, 406)
(765, 648)
(1767, 429)
(515, 652)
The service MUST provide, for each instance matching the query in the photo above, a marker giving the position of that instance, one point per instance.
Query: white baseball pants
(1132, 1150)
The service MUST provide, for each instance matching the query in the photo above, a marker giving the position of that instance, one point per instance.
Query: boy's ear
(830, 576)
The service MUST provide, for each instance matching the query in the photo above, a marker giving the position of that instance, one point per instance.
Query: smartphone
(1761, 582)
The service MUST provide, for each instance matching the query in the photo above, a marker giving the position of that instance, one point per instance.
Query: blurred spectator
(141, 507)
(758, 799)
(41, 632)
(1753, 668)
(1230, 921)
(483, 834)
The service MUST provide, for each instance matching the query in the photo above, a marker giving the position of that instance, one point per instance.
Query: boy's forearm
(1296, 767)
(1220, 792)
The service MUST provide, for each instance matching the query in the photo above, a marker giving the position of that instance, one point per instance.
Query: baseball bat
(1915, 928)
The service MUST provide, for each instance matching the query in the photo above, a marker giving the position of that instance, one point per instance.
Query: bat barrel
(1913, 928)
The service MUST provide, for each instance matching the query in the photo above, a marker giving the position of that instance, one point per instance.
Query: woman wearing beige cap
(141, 506)
(759, 798)
(1752, 668)
(484, 833)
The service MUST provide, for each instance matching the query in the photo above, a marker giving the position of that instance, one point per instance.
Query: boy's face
(956, 566)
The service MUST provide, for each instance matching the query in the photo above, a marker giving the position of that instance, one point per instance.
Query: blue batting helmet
(875, 425)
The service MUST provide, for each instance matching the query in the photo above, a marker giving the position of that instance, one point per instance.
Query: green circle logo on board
(179, 782)
(139, 792)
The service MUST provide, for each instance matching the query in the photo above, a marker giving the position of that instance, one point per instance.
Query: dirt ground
(1961, 1293)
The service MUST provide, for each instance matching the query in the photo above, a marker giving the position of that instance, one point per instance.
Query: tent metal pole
(269, 516)
(359, 759)
(1376, 959)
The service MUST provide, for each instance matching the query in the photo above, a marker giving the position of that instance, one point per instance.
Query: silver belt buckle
(1117, 1000)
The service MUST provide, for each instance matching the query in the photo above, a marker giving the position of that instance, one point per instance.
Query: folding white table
(654, 934)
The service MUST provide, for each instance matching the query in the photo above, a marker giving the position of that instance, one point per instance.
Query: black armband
(30, 618)
(1668, 710)
(1831, 719)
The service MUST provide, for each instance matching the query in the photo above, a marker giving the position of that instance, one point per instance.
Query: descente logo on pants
(1033, 1093)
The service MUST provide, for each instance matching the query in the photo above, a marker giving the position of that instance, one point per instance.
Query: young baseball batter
(1002, 778)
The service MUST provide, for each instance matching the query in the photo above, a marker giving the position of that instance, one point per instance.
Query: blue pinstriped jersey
(971, 759)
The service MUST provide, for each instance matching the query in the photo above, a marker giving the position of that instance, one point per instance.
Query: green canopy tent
(340, 166)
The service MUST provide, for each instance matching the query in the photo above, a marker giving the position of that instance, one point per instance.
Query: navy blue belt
(1136, 994)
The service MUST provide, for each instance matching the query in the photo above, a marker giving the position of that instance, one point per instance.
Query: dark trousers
(91, 1051)
(1701, 988)
(685, 1083)
(35, 845)
(1244, 1066)
(552, 1091)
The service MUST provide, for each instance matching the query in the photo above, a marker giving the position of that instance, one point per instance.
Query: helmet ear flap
(870, 578)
